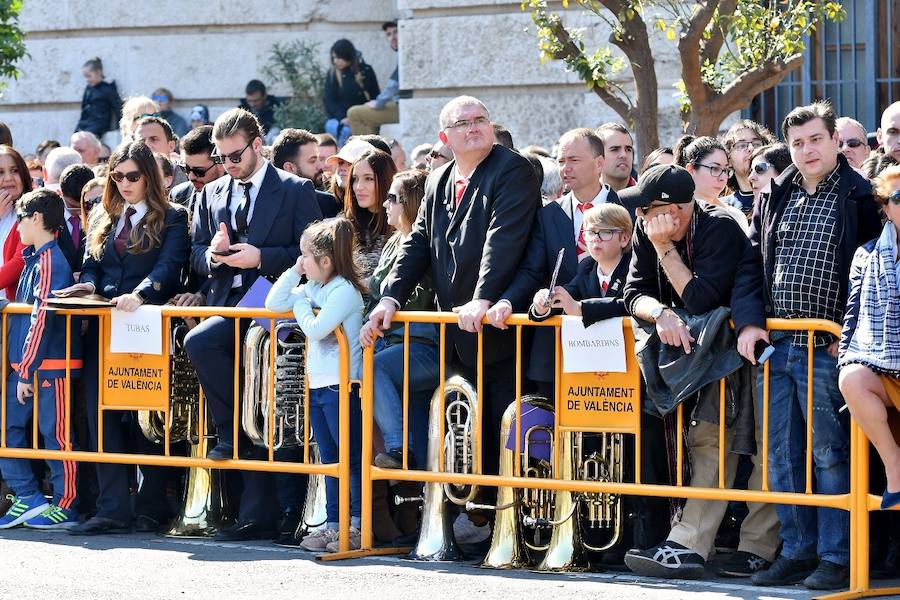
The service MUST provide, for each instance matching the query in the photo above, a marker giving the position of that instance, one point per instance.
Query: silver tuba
(436, 541)
(289, 387)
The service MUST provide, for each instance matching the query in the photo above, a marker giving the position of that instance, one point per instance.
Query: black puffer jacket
(101, 108)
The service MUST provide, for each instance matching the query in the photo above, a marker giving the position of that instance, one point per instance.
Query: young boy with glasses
(37, 354)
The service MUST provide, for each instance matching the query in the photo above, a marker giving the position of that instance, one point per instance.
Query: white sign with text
(138, 332)
(598, 348)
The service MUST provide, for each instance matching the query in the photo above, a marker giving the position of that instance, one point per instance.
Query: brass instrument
(586, 514)
(524, 516)
(436, 541)
(289, 386)
(204, 507)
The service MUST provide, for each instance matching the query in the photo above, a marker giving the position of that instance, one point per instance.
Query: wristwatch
(657, 312)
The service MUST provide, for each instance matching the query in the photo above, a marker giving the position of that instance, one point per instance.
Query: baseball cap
(352, 150)
(665, 183)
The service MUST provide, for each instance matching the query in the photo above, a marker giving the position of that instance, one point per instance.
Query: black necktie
(243, 210)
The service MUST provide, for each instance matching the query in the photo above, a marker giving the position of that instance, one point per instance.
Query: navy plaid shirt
(807, 283)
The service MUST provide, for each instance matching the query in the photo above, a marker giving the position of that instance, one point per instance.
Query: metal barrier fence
(161, 403)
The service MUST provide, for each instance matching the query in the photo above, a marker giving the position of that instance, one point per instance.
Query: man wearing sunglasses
(853, 141)
(196, 162)
(245, 226)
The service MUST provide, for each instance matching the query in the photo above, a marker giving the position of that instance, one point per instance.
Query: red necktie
(121, 241)
(461, 185)
(603, 287)
(582, 245)
(76, 231)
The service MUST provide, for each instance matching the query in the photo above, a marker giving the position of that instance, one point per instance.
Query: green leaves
(297, 64)
(12, 44)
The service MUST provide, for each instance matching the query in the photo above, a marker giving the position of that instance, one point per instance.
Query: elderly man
(888, 133)
(853, 141)
(57, 161)
(88, 146)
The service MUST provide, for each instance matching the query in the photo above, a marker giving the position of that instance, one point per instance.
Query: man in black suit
(257, 212)
(196, 161)
(471, 232)
(558, 225)
(71, 237)
(297, 151)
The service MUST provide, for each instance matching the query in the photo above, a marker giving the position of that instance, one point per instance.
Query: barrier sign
(603, 400)
(132, 381)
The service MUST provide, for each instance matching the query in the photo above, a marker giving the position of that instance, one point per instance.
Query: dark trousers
(210, 347)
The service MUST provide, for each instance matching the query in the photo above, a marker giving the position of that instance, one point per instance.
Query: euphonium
(289, 387)
(436, 541)
(586, 514)
(523, 515)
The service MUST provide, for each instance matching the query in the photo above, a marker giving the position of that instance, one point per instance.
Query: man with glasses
(439, 156)
(804, 234)
(196, 162)
(852, 141)
(470, 234)
(740, 141)
(163, 98)
(246, 225)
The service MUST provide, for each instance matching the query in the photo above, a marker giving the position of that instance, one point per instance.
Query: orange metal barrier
(160, 402)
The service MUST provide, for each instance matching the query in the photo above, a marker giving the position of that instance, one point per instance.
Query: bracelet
(666, 253)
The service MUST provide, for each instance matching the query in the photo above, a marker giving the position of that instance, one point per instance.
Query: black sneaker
(743, 564)
(393, 459)
(828, 576)
(287, 529)
(785, 571)
(669, 560)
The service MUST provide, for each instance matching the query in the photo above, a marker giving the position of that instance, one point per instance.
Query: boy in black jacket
(37, 353)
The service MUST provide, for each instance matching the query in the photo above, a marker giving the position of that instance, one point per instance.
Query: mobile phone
(223, 252)
(762, 351)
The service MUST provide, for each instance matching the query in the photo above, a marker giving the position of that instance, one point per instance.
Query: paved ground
(47, 566)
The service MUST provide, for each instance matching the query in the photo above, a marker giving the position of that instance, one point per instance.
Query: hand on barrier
(78, 288)
(23, 392)
(381, 315)
(541, 302)
(188, 299)
(245, 256)
(673, 331)
(470, 315)
(127, 302)
(746, 343)
(368, 334)
(499, 313)
(561, 298)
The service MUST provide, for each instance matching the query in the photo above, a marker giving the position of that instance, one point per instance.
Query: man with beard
(197, 163)
(297, 151)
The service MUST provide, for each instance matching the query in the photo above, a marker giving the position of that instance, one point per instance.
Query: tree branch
(689, 49)
(710, 48)
(738, 94)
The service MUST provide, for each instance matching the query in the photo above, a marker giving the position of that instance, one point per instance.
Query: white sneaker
(355, 542)
(467, 532)
(319, 539)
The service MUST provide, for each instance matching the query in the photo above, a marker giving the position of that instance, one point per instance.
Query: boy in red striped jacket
(37, 354)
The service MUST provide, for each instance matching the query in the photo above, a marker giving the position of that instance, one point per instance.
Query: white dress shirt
(140, 209)
(237, 193)
(578, 216)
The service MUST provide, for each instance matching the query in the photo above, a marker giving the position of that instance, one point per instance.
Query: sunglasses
(234, 157)
(142, 115)
(393, 199)
(198, 171)
(434, 154)
(22, 216)
(760, 168)
(132, 176)
(852, 142)
(894, 198)
(645, 209)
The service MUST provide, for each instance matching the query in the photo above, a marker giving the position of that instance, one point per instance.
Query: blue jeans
(324, 418)
(424, 370)
(808, 531)
(337, 130)
(51, 397)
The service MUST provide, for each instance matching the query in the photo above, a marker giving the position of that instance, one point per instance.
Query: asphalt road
(49, 566)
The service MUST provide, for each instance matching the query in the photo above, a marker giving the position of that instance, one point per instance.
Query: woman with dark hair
(349, 82)
(367, 189)
(137, 245)
(766, 164)
(705, 159)
(15, 180)
(91, 196)
(661, 156)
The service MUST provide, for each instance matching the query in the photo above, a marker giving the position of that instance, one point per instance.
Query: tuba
(586, 520)
(204, 507)
(436, 541)
(524, 516)
(289, 386)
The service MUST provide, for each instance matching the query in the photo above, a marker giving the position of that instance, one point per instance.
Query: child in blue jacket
(37, 354)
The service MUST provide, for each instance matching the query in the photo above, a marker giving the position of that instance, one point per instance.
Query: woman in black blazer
(136, 248)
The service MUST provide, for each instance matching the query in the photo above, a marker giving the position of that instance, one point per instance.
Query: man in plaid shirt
(804, 234)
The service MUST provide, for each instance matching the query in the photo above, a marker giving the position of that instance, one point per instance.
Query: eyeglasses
(234, 157)
(894, 198)
(132, 176)
(22, 216)
(852, 142)
(393, 199)
(715, 171)
(741, 146)
(463, 124)
(760, 168)
(198, 171)
(604, 235)
(649, 207)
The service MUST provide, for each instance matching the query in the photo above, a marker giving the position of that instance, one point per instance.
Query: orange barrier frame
(340, 470)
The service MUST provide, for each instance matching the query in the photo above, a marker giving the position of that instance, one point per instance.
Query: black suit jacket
(284, 206)
(74, 257)
(472, 251)
(155, 274)
(184, 194)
